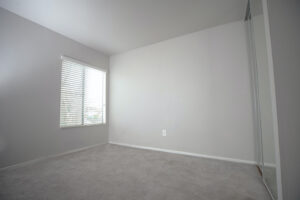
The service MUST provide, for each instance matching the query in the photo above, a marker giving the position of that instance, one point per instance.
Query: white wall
(30, 68)
(196, 86)
(285, 31)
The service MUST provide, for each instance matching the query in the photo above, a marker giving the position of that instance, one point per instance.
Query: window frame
(105, 92)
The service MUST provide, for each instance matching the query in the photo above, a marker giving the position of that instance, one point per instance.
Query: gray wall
(30, 68)
(285, 31)
(196, 86)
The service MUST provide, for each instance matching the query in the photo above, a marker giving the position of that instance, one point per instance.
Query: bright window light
(83, 94)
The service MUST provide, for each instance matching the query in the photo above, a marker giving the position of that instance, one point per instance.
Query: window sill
(76, 126)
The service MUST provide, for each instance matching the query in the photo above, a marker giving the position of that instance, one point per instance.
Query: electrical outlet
(164, 132)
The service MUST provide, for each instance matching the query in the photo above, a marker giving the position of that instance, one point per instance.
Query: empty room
(149, 99)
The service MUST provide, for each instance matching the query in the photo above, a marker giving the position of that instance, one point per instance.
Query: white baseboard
(186, 153)
(133, 146)
(22, 164)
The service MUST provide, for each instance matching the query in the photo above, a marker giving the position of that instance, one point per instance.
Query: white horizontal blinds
(93, 96)
(72, 78)
(82, 95)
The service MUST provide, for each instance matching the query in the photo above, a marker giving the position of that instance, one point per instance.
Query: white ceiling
(115, 26)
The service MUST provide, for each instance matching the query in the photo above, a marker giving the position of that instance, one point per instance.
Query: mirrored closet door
(262, 95)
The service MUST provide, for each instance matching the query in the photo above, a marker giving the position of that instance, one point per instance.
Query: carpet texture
(112, 172)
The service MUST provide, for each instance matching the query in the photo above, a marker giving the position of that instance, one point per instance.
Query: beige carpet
(112, 172)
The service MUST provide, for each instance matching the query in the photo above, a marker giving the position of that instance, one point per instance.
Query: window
(83, 94)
